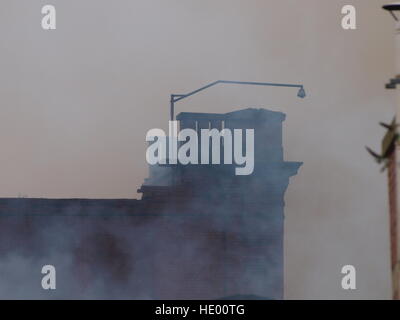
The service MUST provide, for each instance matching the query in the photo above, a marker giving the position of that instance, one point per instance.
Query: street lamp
(391, 140)
(177, 97)
(393, 8)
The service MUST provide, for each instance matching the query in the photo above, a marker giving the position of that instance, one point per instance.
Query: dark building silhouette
(199, 231)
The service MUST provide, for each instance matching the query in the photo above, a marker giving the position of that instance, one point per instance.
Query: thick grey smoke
(76, 104)
(213, 234)
(128, 257)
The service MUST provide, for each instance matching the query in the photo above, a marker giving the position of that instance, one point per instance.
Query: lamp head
(394, 9)
(301, 93)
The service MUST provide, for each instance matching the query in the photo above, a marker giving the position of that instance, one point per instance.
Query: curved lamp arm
(178, 97)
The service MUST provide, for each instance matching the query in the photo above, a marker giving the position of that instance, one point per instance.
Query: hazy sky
(76, 104)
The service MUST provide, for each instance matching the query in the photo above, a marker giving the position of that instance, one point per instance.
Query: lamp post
(394, 10)
(177, 97)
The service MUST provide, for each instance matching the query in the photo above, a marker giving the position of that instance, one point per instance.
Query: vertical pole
(174, 169)
(172, 108)
(392, 177)
(393, 168)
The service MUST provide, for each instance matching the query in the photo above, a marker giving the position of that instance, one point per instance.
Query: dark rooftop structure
(199, 231)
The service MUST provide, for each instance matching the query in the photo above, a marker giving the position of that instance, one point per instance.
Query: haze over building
(199, 231)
